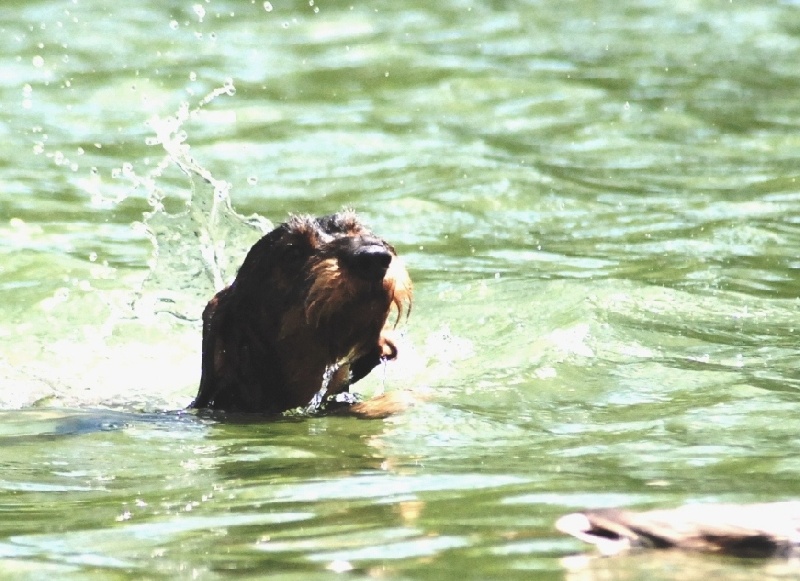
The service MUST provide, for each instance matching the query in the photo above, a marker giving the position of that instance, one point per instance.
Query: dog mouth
(334, 386)
(350, 290)
(358, 279)
(387, 347)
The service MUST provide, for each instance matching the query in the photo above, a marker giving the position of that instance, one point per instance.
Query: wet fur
(310, 298)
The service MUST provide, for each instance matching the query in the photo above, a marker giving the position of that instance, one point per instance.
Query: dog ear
(213, 352)
(257, 261)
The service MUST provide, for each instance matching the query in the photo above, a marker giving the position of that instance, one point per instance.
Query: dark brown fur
(308, 307)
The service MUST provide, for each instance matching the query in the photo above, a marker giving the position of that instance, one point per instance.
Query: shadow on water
(28, 425)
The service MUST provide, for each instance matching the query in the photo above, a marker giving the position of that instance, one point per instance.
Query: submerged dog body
(305, 315)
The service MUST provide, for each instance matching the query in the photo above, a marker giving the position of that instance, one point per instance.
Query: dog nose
(371, 261)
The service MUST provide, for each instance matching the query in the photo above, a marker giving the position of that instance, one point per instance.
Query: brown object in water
(304, 318)
(742, 530)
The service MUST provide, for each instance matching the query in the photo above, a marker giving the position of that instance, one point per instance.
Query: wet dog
(304, 319)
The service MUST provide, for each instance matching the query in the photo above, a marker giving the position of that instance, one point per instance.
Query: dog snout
(371, 261)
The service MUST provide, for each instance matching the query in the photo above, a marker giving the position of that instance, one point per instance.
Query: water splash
(196, 251)
(316, 403)
(381, 388)
(83, 345)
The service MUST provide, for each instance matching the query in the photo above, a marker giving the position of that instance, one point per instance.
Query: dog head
(306, 312)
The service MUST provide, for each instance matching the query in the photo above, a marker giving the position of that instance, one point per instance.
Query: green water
(598, 204)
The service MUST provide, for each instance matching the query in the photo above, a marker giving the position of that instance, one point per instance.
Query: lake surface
(597, 201)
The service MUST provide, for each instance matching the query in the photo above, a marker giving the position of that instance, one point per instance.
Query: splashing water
(195, 251)
(317, 401)
(322, 397)
(381, 389)
(105, 341)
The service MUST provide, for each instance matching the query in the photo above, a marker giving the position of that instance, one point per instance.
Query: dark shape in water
(742, 530)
